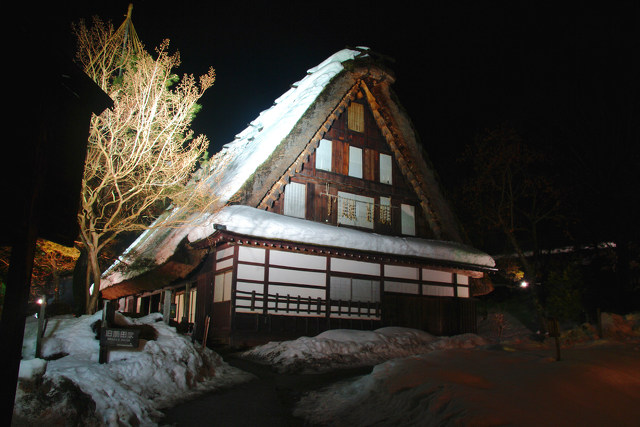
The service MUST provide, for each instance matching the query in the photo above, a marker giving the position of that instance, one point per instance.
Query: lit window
(356, 117)
(385, 169)
(408, 219)
(355, 162)
(222, 287)
(323, 155)
(355, 210)
(295, 196)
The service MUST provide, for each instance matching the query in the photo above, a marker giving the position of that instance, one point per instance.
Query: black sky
(461, 67)
(449, 58)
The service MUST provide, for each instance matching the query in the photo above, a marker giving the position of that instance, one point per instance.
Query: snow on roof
(258, 223)
(238, 160)
(232, 166)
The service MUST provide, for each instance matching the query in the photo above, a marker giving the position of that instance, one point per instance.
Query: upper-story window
(408, 219)
(385, 169)
(355, 162)
(323, 155)
(356, 117)
(295, 196)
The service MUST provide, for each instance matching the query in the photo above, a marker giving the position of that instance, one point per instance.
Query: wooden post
(186, 303)
(16, 301)
(166, 307)
(103, 355)
(206, 332)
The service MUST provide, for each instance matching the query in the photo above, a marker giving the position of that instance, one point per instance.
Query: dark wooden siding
(204, 294)
(321, 184)
(436, 315)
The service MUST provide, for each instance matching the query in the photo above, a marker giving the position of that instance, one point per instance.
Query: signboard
(113, 337)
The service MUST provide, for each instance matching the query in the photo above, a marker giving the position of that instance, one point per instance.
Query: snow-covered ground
(487, 386)
(345, 348)
(129, 390)
(501, 378)
(418, 379)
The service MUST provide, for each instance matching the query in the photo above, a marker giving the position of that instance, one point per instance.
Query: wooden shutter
(386, 169)
(356, 117)
(294, 199)
(355, 162)
(323, 155)
(222, 287)
(408, 218)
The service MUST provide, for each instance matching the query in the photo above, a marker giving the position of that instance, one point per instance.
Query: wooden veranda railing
(299, 305)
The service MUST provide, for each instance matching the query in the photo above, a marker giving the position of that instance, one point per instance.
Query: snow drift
(342, 348)
(129, 390)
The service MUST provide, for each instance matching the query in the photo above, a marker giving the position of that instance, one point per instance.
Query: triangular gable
(410, 162)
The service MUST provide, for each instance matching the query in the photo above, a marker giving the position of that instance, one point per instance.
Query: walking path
(267, 400)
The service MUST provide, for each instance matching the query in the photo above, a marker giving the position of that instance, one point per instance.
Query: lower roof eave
(223, 236)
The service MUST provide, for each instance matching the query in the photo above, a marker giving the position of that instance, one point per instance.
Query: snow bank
(131, 388)
(487, 386)
(342, 348)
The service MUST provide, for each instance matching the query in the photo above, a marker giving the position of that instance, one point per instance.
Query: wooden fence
(290, 317)
(298, 305)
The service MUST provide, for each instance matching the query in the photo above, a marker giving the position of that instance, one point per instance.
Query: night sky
(461, 67)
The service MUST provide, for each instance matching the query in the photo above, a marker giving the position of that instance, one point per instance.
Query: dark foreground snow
(418, 379)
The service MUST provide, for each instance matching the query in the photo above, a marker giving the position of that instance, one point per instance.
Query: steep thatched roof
(254, 168)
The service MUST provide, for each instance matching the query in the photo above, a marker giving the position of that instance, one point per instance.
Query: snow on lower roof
(248, 221)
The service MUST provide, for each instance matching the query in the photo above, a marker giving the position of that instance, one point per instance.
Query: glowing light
(524, 284)
(40, 301)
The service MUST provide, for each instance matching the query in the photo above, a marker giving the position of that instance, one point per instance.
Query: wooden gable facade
(352, 179)
(350, 169)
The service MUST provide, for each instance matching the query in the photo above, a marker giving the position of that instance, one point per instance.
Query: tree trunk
(94, 267)
(80, 280)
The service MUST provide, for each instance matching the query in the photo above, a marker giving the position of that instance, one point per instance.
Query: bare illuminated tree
(141, 153)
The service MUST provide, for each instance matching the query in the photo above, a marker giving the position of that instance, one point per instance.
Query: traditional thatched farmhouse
(328, 215)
